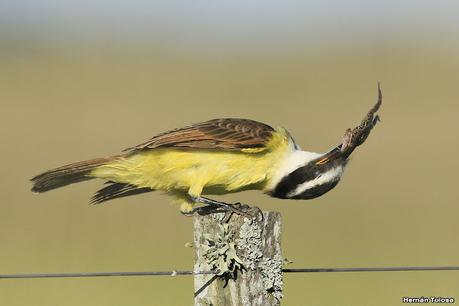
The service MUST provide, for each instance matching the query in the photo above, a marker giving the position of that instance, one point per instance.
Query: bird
(216, 157)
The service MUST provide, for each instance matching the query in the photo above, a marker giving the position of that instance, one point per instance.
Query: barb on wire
(174, 273)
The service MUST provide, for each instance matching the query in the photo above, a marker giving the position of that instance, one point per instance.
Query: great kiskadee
(219, 156)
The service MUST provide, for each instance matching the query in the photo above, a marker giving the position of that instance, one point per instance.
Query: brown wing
(227, 134)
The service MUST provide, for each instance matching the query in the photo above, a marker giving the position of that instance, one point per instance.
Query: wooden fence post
(246, 252)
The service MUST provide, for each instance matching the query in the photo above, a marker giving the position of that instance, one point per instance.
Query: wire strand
(176, 273)
(104, 274)
(375, 269)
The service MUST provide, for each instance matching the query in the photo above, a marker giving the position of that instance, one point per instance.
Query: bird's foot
(215, 207)
(204, 211)
(228, 210)
(254, 212)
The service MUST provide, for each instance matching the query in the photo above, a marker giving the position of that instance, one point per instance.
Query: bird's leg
(206, 210)
(213, 206)
(239, 208)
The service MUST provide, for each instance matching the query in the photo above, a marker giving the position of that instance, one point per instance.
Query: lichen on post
(246, 255)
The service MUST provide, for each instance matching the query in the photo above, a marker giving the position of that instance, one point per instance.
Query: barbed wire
(104, 274)
(179, 272)
(375, 269)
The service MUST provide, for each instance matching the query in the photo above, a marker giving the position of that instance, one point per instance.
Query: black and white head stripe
(318, 186)
(294, 160)
(310, 180)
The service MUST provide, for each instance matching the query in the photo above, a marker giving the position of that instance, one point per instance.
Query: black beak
(331, 156)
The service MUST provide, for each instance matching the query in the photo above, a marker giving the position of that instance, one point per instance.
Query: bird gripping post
(247, 255)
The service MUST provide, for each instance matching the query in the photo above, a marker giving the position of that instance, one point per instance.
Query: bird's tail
(68, 174)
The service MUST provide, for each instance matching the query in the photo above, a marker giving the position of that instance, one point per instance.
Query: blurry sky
(231, 25)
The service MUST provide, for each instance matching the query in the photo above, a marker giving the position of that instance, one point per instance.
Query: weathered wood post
(247, 255)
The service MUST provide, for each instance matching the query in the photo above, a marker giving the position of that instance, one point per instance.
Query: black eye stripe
(289, 183)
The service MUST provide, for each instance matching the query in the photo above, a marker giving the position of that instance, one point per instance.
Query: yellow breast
(198, 171)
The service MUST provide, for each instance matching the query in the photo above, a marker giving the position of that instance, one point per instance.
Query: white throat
(294, 160)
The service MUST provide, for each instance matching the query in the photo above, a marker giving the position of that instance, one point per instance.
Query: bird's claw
(238, 208)
(253, 212)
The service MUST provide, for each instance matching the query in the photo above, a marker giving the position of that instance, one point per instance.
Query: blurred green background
(86, 79)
